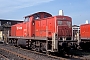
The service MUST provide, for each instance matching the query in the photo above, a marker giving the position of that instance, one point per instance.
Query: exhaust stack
(87, 21)
(61, 12)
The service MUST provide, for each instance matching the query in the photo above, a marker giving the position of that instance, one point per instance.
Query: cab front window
(26, 19)
(69, 23)
(59, 22)
(64, 22)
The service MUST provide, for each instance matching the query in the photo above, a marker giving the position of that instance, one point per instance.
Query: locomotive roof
(38, 13)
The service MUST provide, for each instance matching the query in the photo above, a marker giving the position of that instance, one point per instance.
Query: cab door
(25, 27)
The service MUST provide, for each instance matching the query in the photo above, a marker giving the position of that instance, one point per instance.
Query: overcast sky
(79, 10)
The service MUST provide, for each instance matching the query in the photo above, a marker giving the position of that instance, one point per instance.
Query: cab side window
(26, 19)
(36, 16)
(68, 23)
(59, 22)
(45, 16)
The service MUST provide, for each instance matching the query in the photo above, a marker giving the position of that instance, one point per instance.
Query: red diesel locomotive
(43, 32)
(85, 36)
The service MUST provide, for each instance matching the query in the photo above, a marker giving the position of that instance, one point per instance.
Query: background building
(5, 27)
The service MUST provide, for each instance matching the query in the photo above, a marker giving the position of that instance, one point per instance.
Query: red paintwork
(85, 31)
(17, 30)
(44, 26)
(24, 31)
(65, 29)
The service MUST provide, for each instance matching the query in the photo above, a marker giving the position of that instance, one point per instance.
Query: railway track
(81, 54)
(14, 53)
(3, 57)
(32, 55)
(74, 57)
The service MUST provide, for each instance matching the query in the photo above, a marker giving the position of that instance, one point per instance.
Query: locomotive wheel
(75, 46)
(32, 47)
(48, 52)
(37, 49)
(42, 47)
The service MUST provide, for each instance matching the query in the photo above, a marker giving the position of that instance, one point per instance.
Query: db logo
(19, 28)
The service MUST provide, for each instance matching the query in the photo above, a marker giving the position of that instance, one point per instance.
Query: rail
(17, 54)
(3, 57)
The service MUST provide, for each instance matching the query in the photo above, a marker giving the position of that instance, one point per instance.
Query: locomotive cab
(64, 27)
(64, 33)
